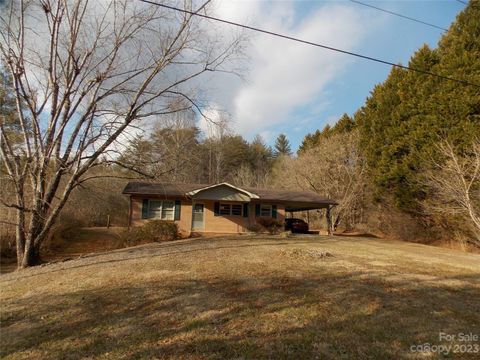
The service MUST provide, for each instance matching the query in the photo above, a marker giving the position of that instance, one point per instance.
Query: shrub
(255, 228)
(153, 231)
(270, 225)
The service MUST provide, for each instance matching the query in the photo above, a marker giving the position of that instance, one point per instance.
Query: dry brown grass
(243, 298)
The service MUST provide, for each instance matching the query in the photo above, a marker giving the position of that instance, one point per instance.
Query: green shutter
(178, 205)
(257, 209)
(216, 208)
(145, 209)
(245, 210)
(274, 211)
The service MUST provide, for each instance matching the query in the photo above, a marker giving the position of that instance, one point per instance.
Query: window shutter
(178, 205)
(274, 211)
(216, 208)
(145, 209)
(257, 209)
(245, 210)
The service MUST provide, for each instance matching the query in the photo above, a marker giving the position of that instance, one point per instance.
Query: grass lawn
(245, 298)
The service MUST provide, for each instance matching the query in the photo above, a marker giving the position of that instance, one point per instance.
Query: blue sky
(296, 89)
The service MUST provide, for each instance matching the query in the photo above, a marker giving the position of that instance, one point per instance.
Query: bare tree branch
(454, 183)
(84, 75)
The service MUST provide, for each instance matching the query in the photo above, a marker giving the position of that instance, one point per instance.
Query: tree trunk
(336, 223)
(329, 221)
(20, 228)
(20, 236)
(31, 254)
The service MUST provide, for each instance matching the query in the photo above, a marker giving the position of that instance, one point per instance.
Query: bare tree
(169, 152)
(215, 133)
(335, 169)
(454, 184)
(244, 175)
(85, 75)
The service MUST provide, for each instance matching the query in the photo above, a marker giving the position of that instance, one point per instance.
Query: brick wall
(184, 224)
(223, 223)
(218, 224)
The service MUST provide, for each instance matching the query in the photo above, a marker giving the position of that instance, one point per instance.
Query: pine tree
(407, 115)
(8, 109)
(282, 146)
(343, 126)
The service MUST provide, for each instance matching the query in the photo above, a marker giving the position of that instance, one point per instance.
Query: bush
(153, 231)
(269, 225)
(255, 228)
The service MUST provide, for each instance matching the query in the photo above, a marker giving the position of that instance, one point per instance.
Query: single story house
(217, 208)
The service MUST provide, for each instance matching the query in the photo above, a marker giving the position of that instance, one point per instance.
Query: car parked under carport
(296, 225)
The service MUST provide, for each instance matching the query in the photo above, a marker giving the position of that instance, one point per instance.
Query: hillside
(243, 297)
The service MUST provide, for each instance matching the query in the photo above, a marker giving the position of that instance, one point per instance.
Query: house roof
(166, 189)
(293, 200)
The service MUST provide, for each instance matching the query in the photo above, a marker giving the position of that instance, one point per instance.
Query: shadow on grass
(324, 316)
(148, 251)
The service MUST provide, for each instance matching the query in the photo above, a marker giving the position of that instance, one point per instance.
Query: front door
(198, 217)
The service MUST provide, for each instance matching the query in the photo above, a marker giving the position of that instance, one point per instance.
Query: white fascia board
(196, 191)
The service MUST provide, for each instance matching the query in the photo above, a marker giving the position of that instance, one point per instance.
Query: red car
(296, 225)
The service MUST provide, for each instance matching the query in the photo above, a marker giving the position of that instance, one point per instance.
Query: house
(217, 208)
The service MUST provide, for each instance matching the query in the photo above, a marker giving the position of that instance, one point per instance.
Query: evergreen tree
(8, 109)
(407, 115)
(282, 146)
(343, 126)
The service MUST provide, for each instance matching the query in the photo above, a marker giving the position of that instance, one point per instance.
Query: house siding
(222, 223)
(213, 224)
(280, 210)
(222, 193)
(184, 224)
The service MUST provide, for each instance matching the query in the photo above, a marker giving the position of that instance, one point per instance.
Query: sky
(295, 89)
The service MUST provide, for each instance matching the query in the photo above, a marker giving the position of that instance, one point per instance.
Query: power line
(399, 15)
(311, 43)
(462, 2)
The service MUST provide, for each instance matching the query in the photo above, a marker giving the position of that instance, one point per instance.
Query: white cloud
(285, 76)
(213, 122)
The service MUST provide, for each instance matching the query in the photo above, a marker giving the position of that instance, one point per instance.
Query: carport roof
(293, 200)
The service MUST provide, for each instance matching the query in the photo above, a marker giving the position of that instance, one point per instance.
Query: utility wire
(399, 15)
(464, 82)
(462, 2)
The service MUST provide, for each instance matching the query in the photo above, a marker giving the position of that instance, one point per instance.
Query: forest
(406, 165)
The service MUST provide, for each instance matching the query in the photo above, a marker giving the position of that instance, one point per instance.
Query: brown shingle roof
(289, 195)
(146, 188)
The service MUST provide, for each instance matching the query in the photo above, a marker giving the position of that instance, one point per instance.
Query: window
(168, 209)
(154, 209)
(164, 210)
(265, 210)
(237, 209)
(224, 209)
(230, 209)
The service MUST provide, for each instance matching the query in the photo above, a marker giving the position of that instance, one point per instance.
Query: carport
(296, 201)
(293, 207)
